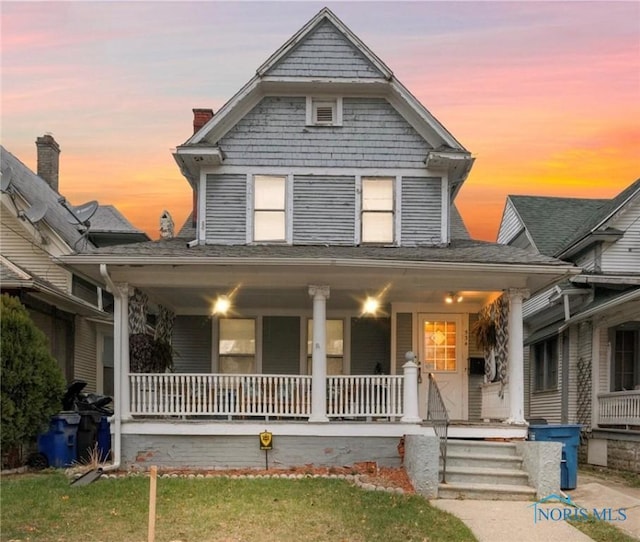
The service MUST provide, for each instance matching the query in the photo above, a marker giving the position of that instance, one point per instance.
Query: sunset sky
(546, 95)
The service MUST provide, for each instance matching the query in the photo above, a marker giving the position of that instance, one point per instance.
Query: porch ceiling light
(370, 306)
(453, 297)
(222, 305)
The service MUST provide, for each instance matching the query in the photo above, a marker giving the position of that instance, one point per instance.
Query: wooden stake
(153, 476)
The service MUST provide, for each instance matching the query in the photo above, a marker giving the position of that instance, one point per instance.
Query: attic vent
(324, 112)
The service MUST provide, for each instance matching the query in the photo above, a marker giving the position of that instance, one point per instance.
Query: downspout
(116, 418)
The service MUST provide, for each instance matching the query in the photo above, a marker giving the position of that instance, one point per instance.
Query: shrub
(32, 384)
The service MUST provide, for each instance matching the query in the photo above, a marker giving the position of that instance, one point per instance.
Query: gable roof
(325, 21)
(558, 224)
(604, 214)
(551, 221)
(109, 222)
(201, 148)
(36, 191)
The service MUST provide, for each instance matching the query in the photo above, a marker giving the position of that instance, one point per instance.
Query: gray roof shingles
(459, 251)
(555, 224)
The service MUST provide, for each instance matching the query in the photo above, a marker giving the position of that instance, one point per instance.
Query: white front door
(443, 352)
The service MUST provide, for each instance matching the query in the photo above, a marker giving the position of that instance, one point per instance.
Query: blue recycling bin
(59, 443)
(104, 439)
(569, 436)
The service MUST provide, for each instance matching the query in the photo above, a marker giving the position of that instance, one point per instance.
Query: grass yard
(44, 507)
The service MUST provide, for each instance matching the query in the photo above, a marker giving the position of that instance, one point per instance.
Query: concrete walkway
(497, 521)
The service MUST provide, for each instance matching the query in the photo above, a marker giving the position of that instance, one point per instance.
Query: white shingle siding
(226, 205)
(373, 135)
(623, 256)
(510, 225)
(604, 370)
(536, 303)
(27, 253)
(325, 53)
(324, 209)
(421, 211)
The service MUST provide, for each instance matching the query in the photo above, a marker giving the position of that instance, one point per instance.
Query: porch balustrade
(364, 396)
(262, 396)
(619, 408)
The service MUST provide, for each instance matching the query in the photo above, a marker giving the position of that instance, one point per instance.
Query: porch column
(121, 347)
(319, 354)
(410, 391)
(516, 356)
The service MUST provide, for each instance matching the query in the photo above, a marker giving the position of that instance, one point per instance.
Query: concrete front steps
(478, 469)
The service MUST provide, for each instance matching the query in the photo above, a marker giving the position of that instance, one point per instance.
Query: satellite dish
(82, 213)
(35, 213)
(5, 179)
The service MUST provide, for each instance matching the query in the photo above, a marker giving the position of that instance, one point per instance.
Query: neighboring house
(38, 226)
(583, 335)
(323, 247)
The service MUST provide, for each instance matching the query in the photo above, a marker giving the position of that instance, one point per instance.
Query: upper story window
(324, 111)
(545, 363)
(269, 216)
(377, 210)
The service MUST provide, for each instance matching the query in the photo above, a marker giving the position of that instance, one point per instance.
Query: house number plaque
(266, 440)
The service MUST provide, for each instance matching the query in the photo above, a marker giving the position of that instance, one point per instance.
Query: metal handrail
(438, 415)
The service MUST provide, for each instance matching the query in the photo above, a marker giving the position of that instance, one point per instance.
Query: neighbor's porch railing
(263, 396)
(619, 408)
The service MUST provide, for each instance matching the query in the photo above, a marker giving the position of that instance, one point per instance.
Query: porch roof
(277, 276)
(458, 251)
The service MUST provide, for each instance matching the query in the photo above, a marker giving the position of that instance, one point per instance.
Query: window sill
(545, 391)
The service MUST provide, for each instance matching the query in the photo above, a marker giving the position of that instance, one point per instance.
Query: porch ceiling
(191, 289)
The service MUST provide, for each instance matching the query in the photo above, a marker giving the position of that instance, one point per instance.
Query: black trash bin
(87, 440)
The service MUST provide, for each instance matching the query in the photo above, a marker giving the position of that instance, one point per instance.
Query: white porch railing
(619, 408)
(264, 396)
(377, 396)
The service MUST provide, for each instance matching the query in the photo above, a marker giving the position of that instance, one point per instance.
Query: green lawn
(43, 507)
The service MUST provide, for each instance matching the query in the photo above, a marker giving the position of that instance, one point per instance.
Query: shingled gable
(601, 217)
(371, 77)
(556, 226)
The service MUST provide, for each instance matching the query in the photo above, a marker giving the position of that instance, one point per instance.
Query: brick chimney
(201, 117)
(48, 159)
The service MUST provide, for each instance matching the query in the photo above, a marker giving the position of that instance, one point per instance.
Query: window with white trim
(269, 208)
(324, 111)
(237, 345)
(334, 343)
(377, 210)
(626, 357)
(545, 364)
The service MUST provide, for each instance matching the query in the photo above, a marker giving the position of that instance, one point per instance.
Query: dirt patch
(368, 472)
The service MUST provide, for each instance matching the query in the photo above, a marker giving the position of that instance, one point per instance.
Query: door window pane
(440, 345)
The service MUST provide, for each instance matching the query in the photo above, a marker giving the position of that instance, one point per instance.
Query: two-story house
(582, 355)
(325, 245)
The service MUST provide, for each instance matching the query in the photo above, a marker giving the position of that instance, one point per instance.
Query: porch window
(377, 210)
(626, 359)
(440, 345)
(269, 198)
(237, 345)
(334, 346)
(545, 364)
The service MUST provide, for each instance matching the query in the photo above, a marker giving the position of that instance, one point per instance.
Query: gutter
(612, 303)
(117, 372)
